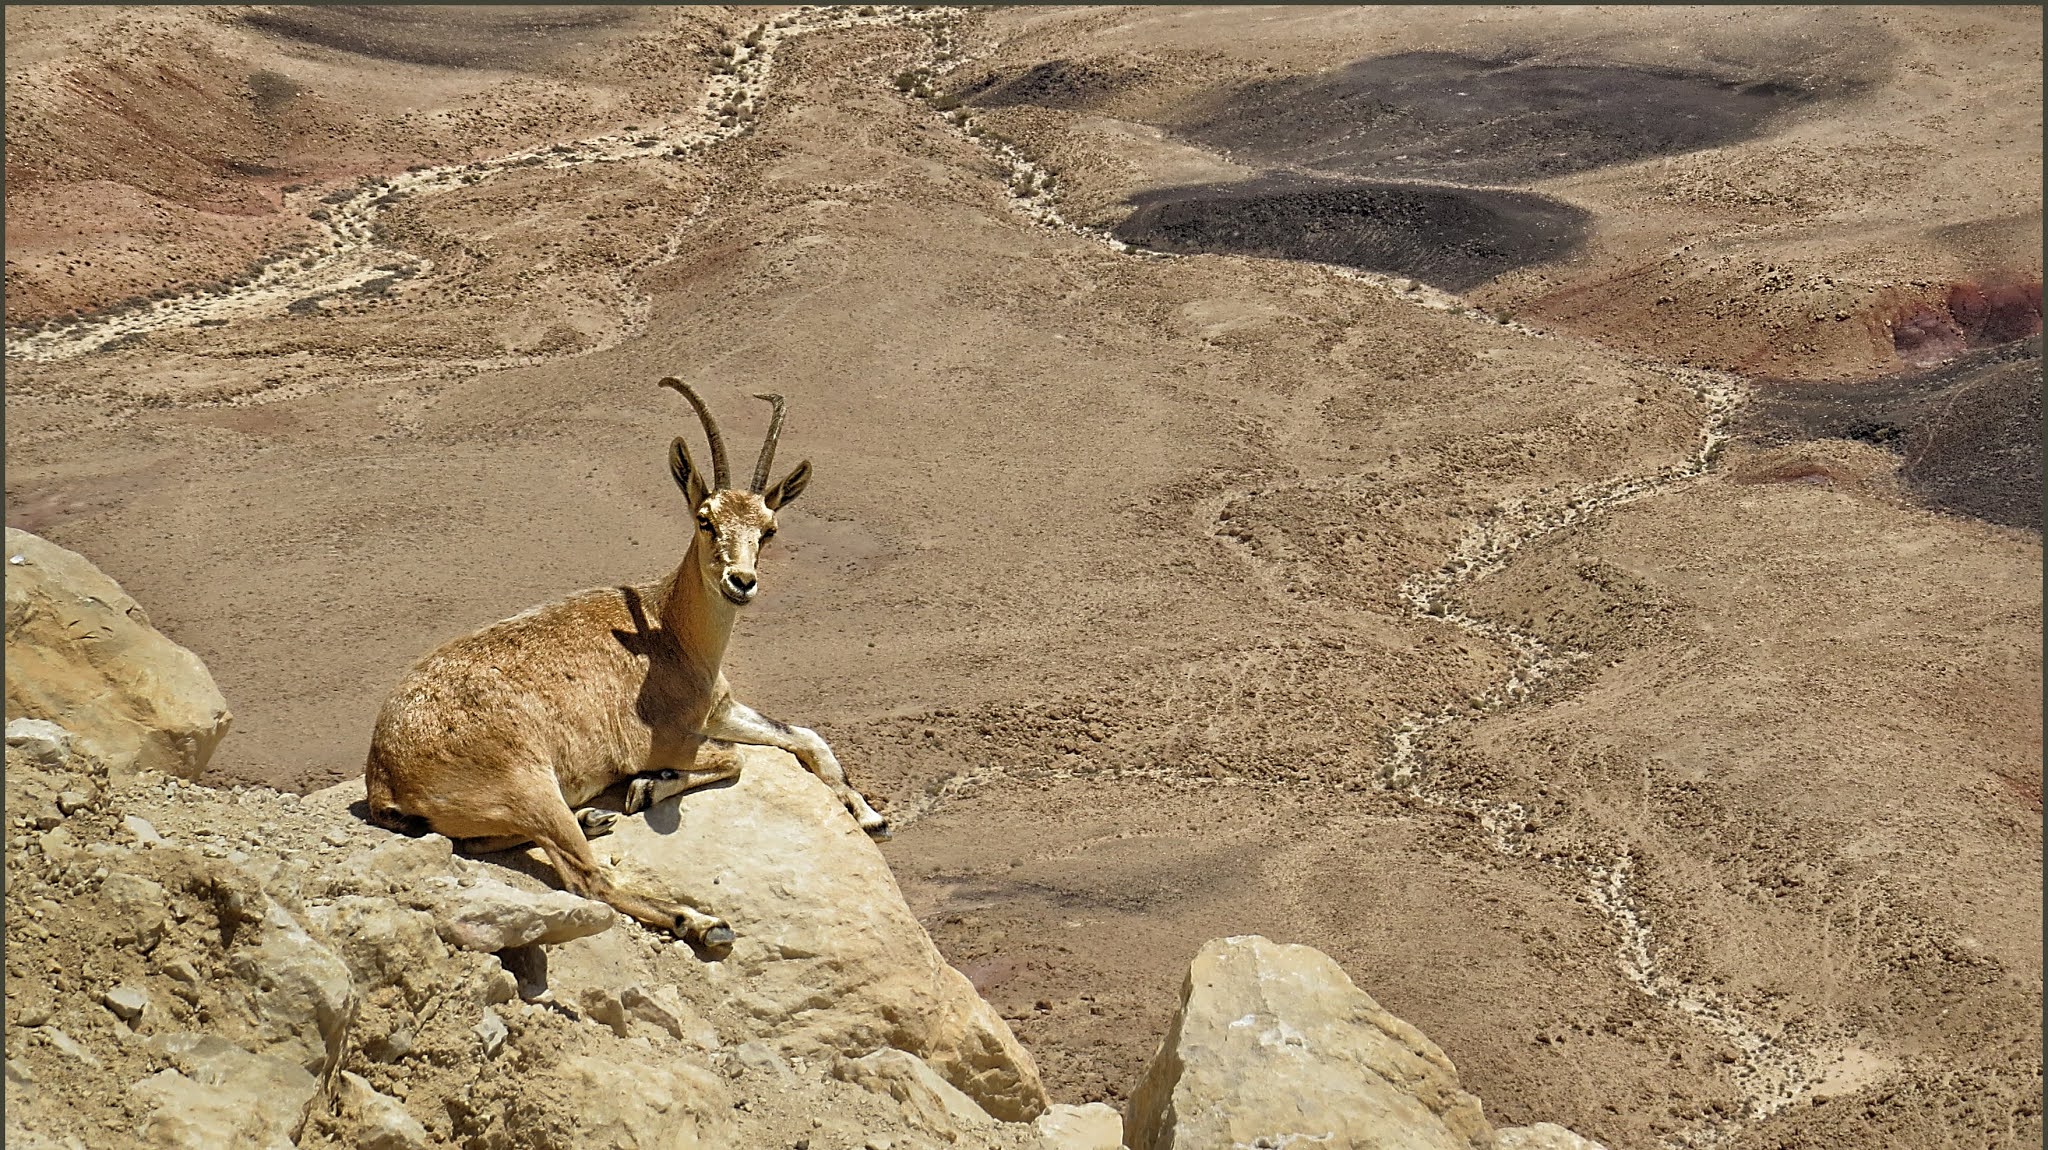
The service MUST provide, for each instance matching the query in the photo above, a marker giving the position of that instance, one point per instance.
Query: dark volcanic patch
(460, 35)
(1453, 238)
(1066, 84)
(1968, 433)
(1443, 115)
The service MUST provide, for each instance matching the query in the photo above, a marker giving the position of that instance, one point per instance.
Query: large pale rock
(221, 1095)
(82, 654)
(492, 916)
(1542, 1136)
(829, 959)
(928, 1100)
(1274, 1046)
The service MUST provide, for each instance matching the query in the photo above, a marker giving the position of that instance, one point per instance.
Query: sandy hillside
(1603, 614)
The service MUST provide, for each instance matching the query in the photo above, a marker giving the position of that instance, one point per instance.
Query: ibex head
(733, 523)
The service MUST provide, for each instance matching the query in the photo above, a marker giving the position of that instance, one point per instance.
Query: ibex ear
(792, 485)
(686, 474)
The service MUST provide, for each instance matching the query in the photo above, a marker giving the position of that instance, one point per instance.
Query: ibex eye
(703, 524)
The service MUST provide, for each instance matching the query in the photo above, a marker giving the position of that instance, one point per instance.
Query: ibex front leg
(714, 761)
(739, 723)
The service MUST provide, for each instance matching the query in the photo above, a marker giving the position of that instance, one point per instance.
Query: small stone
(501, 987)
(391, 1047)
(32, 1014)
(18, 1075)
(127, 1002)
(335, 838)
(178, 968)
(142, 830)
(1092, 1127)
(44, 742)
(138, 906)
(762, 1058)
(71, 802)
(493, 1033)
(383, 1120)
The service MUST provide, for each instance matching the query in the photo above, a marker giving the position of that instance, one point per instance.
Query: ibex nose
(741, 582)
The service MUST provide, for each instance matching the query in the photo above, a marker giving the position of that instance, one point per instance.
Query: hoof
(718, 938)
(879, 832)
(597, 823)
(639, 796)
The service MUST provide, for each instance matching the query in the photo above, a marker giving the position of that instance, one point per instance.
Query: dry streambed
(350, 253)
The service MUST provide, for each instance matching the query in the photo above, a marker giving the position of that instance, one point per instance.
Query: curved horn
(768, 445)
(721, 475)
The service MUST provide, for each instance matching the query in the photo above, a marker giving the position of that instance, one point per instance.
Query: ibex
(494, 738)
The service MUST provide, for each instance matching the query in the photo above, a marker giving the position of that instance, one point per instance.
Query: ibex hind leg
(558, 834)
(595, 823)
(716, 761)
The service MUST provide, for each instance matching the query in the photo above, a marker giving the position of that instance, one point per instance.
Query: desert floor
(1542, 504)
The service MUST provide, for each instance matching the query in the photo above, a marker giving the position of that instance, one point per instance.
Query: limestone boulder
(829, 961)
(1274, 1046)
(82, 654)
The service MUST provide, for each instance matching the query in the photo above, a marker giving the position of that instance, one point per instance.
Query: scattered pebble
(493, 1033)
(127, 1002)
(142, 830)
